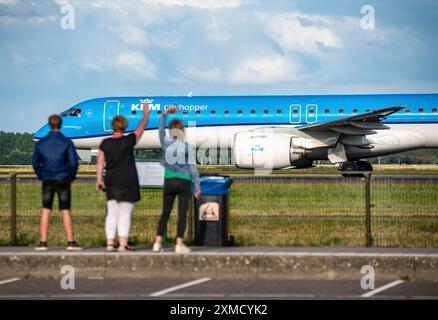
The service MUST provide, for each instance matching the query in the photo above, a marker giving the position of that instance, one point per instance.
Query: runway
(210, 289)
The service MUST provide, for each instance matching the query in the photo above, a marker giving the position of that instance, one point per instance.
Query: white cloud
(269, 69)
(199, 4)
(127, 62)
(212, 74)
(138, 62)
(218, 37)
(8, 1)
(130, 34)
(20, 59)
(137, 37)
(291, 35)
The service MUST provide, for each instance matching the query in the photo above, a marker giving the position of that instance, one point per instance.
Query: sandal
(126, 248)
(111, 248)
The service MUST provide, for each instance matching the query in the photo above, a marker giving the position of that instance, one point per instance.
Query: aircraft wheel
(349, 166)
(365, 166)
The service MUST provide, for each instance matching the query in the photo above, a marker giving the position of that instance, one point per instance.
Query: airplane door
(311, 113)
(110, 110)
(295, 113)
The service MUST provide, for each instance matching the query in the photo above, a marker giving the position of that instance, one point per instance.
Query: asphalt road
(205, 288)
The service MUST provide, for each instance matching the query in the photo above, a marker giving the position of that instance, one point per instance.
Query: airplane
(272, 132)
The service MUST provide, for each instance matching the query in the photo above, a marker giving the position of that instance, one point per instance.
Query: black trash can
(211, 212)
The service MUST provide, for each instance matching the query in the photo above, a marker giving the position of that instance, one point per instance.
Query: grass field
(230, 169)
(267, 214)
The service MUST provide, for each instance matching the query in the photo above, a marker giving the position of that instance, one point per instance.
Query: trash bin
(211, 212)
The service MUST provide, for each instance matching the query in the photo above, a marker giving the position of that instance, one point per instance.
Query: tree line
(17, 149)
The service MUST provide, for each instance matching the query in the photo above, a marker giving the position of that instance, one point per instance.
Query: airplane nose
(41, 133)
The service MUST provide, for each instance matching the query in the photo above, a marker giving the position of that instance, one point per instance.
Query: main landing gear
(355, 166)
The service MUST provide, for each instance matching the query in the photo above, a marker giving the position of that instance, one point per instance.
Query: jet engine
(258, 150)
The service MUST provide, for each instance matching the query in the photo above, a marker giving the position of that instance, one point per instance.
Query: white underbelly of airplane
(399, 138)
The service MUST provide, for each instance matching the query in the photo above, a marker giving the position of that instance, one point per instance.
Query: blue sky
(208, 47)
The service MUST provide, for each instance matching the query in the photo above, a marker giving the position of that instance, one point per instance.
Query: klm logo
(152, 106)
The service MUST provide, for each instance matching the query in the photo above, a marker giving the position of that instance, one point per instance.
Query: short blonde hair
(119, 124)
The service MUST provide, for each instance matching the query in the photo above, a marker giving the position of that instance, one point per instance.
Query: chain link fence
(293, 210)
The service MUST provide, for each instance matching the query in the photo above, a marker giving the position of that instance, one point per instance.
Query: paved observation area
(220, 273)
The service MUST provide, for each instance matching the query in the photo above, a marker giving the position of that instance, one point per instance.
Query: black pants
(172, 188)
(62, 188)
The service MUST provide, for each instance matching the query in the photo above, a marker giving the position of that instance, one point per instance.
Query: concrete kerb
(222, 265)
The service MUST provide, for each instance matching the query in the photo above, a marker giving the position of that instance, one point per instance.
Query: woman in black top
(121, 179)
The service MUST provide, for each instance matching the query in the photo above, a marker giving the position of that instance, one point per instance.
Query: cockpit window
(72, 112)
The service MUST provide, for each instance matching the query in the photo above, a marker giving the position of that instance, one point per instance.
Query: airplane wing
(352, 131)
(359, 125)
(349, 131)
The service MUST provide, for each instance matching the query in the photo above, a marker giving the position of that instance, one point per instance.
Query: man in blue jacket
(55, 162)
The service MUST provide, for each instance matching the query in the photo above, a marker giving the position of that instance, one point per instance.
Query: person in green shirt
(180, 170)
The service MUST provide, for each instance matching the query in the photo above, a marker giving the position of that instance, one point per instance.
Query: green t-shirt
(169, 174)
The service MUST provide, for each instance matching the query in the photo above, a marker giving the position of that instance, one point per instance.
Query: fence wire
(311, 210)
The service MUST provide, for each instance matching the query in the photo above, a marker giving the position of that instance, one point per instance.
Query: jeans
(172, 188)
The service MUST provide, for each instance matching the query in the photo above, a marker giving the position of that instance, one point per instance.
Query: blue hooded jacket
(55, 158)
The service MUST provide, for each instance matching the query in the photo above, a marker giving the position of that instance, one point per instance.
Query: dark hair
(55, 122)
(119, 124)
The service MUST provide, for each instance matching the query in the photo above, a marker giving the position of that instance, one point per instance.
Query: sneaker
(73, 246)
(182, 249)
(157, 247)
(127, 248)
(42, 246)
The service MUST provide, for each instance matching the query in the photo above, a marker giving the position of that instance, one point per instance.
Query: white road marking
(95, 278)
(9, 280)
(181, 286)
(385, 287)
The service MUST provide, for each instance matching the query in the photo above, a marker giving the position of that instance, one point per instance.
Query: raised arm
(139, 131)
(161, 130)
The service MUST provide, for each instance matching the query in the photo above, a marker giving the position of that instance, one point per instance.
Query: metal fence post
(14, 208)
(368, 235)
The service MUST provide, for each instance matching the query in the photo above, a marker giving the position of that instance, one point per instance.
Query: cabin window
(355, 111)
(213, 113)
(341, 111)
(252, 112)
(326, 111)
(295, 112)
(265, 112)
(198, 113)
(407, 110)
(311, 112)
(159, 113)
(134, 113)
(278, 112)
(367, 110)
(239, 112)
(420, 110)
(184, 112)
(434, 110)
(226, 112)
